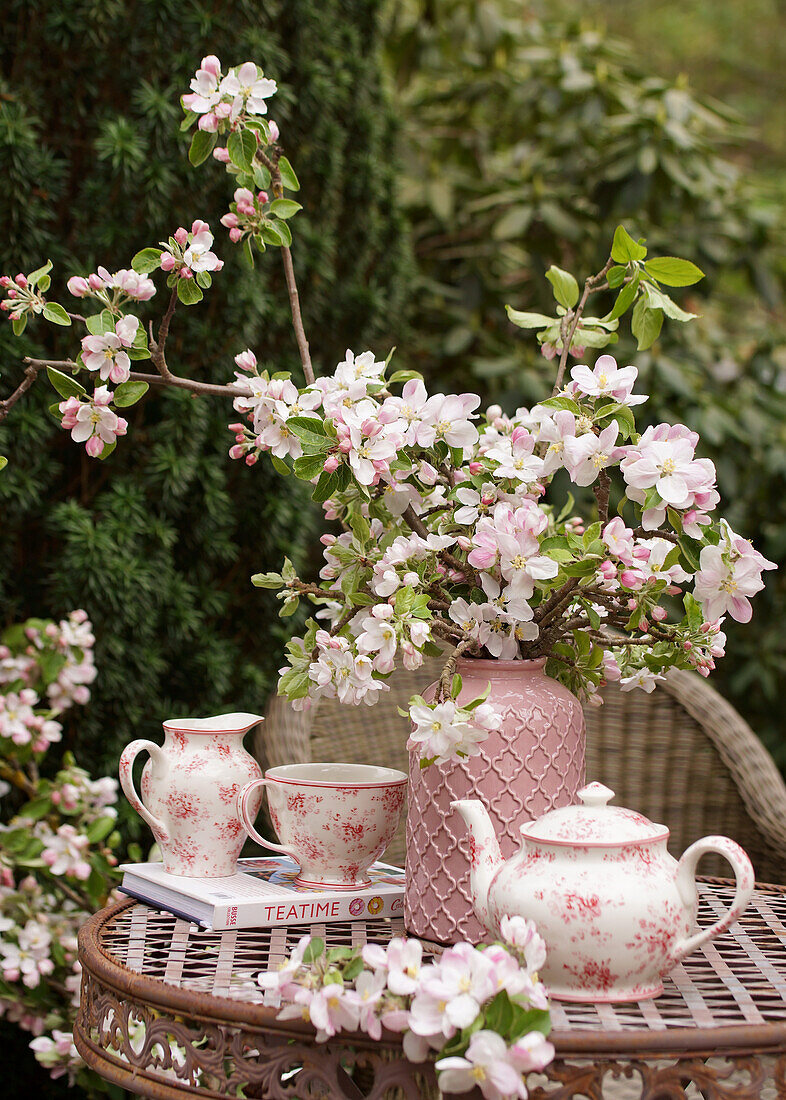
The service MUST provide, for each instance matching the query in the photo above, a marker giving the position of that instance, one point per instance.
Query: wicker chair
(682, 755)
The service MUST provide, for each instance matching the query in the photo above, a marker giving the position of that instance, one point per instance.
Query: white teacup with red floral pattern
(332, 819)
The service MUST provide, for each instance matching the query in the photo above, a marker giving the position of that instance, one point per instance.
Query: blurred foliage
(158, 543)
(527, 140)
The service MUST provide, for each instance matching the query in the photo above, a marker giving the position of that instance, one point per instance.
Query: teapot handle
(127, 758)
(686, 885)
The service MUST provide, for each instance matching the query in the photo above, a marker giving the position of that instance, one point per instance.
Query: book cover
(263, 894)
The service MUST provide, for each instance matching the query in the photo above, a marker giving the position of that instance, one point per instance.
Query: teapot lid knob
(595, 794)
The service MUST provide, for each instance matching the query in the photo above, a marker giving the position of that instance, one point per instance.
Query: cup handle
(242, 810)
(686, 885)
(127, 757)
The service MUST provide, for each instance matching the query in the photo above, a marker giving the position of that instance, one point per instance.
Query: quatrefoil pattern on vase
(534, 763)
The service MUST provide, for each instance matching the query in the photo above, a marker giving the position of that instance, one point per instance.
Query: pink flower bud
(332, 463)
(181, 235)
(252, 459)
(211, 65)
(5, 306)
(21, 280)
(548, 351)
(208, 123)
(345, 446)
(16, 315)
(275, 133)
(222, 110)
(644, 625)
(235, 235)
(262, 197)
(608, 569)
(687, 646)
(78, 286)
(199, 227)
(659, 614)
(167, 261)
(641, 552)
(236, 428)
(186, 273)
(475, 467)
(94, 446)
(5, 280)
(95, 282)
(122, 426)
(221, 154)
(246, 360)
(236, 452)
(703, 671)
(632, 605)
(12, 292)
(230, 220)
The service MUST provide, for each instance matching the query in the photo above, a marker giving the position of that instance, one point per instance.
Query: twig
(169, 379)
(592, 284)
(31, 373)
(443, 691)
(601, 490)
(289, 274)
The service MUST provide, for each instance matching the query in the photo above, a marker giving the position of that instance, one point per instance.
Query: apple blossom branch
(570, 321)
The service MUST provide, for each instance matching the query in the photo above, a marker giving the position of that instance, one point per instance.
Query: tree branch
(601, 490)
(33, 366)
(592, 284)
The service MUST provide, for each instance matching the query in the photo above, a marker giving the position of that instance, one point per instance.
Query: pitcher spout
(484, 853)
(238, 722)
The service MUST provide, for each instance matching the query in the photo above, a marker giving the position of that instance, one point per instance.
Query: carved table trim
(167, 1011)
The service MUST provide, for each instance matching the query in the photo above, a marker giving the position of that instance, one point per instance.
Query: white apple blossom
(608, 380)
(487, 1065)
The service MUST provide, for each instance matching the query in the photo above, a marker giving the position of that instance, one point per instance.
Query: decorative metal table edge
(167, 1011)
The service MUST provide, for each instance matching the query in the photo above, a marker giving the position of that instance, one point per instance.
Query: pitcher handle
(243, 814)
(127, 758)
(686, 885)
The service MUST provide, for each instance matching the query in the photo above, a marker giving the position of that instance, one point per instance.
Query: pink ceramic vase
(534, 763)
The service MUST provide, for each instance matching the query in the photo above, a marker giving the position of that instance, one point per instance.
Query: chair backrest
(681, 755)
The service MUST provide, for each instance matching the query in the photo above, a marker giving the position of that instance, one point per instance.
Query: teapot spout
(484, 853)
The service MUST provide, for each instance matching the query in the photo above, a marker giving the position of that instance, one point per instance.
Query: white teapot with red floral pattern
(616, 911)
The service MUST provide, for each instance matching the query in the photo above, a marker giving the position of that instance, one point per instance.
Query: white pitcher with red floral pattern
(616, 911)
(189, 791)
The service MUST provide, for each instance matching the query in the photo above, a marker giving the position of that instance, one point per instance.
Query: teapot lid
(593, 824)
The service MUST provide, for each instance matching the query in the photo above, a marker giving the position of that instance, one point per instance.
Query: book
(263, 894)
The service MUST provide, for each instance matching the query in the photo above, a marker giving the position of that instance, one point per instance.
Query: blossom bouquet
(447, 528)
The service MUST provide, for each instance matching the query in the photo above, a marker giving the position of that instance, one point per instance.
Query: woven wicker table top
(730, 994)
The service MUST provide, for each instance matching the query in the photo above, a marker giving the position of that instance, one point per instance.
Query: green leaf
(242, 147)
(147, 260)
(353, 969)
(261, 177)
(3, 462)
(528, 320)
(288, 177)
(455, 686)
(285, 208)
(19, 325)
(624, 249)
(656, 299)
(100, 829)
(404, 376)
(34, 278)
(616, 276)
(646, 324)
(673, 271)
(188, 121)
(128, 393)
(314, 950)
(65, 385)
(289, 608)
(202, 145)
(309, 466)
(204, 279)
(267, 580)
(326, 487)
(566, 289)
(625, 298)
(189, 292)
(44, 283)
(280, 466)
(56, 314)
(107, 450)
